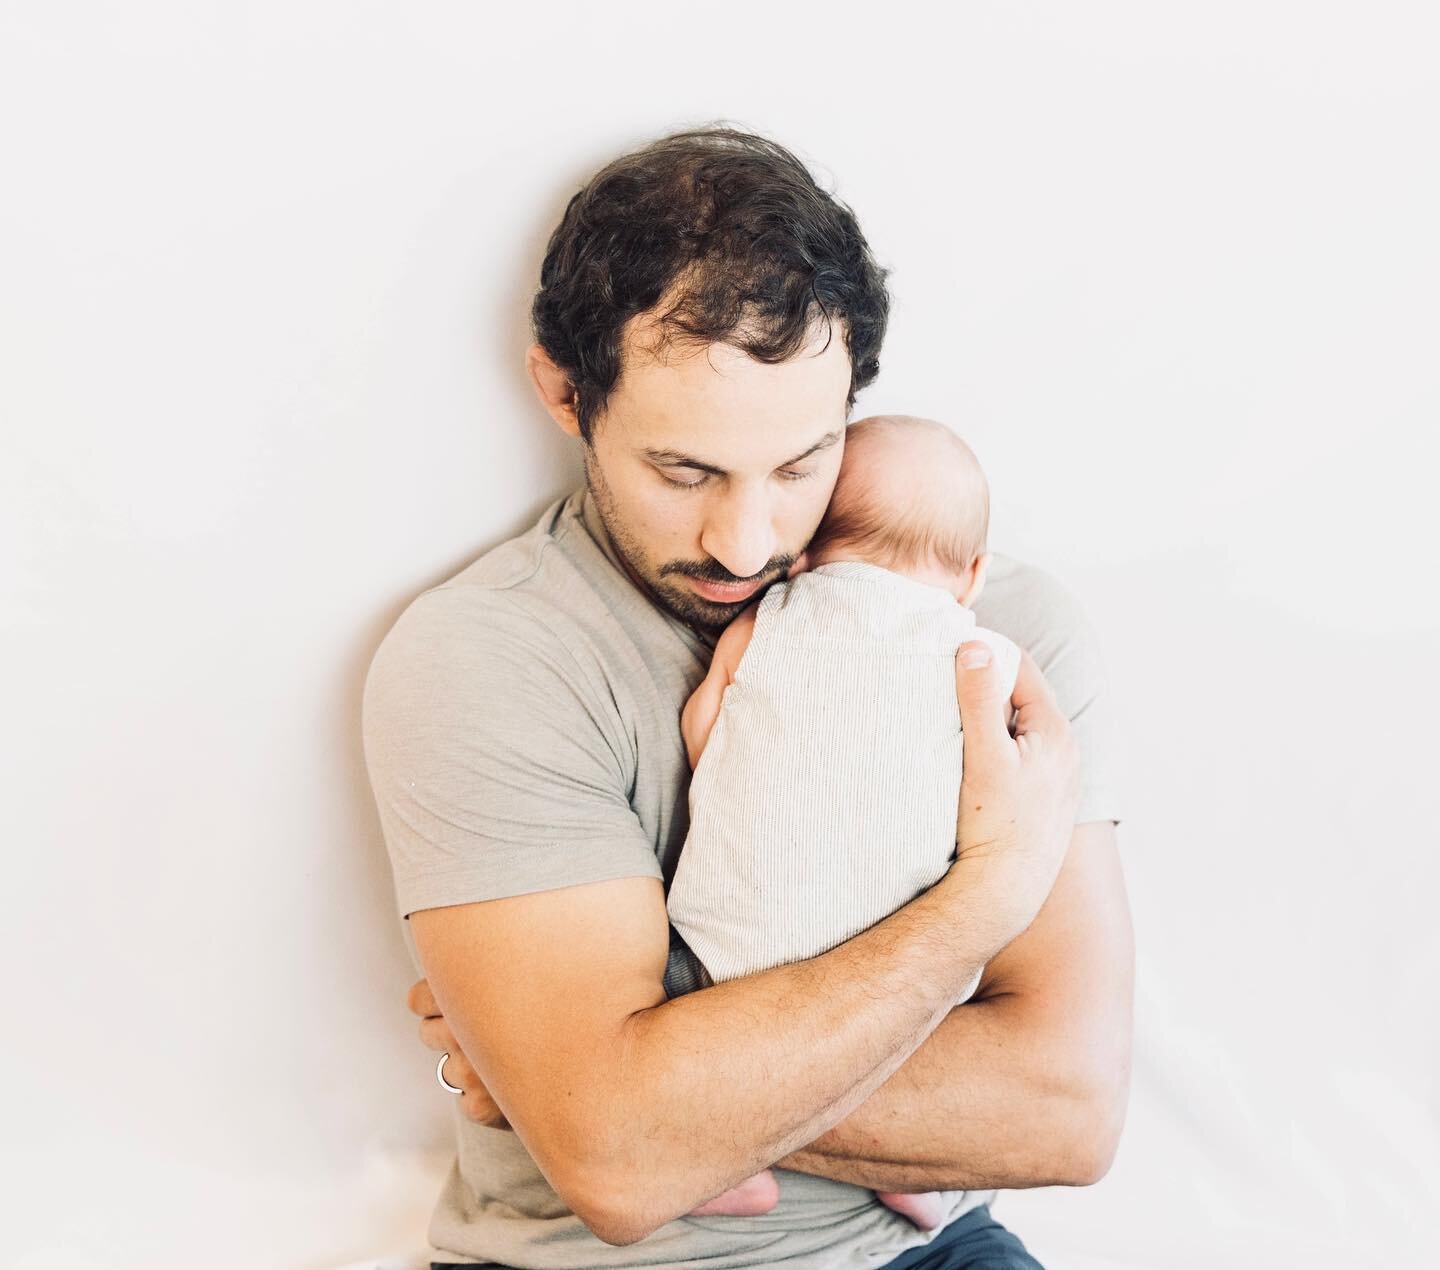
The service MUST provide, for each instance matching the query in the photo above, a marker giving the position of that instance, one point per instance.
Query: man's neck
(594, 524)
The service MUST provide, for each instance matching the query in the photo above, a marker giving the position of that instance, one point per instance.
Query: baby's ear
(977, 579)
(802, 562)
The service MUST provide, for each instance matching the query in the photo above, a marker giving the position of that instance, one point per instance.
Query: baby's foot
(926, 1209)
(752, 1197)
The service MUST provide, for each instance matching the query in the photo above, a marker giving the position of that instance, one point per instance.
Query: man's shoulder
(513, 604)
(519, 566)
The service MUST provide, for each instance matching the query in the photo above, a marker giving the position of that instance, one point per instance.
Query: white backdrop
(1171, 269)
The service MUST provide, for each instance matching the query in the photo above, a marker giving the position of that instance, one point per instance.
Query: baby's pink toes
(926, 1209)
(752, 1197)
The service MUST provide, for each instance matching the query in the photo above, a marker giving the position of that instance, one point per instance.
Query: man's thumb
(980, 694)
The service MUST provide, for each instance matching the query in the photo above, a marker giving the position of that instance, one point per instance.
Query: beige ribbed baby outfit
(827, 793)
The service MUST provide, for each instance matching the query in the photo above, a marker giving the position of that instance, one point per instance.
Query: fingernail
(974, 658)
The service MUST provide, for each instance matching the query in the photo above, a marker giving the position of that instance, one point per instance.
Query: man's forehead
(718, 405)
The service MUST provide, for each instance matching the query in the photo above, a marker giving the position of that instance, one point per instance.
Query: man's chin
(708, 615)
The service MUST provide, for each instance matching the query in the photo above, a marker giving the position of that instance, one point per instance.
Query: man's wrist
(973, 934)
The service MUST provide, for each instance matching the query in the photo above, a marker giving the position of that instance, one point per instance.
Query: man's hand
(476, 1103)
(754, 1196)
(1018, 794)
(1017, 804)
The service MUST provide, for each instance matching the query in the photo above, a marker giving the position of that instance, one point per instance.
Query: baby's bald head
(910, 494)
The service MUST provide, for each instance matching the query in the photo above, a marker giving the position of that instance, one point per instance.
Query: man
(705, 318)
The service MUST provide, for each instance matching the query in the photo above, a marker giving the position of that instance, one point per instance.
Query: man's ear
(977, 579)
(553, 387)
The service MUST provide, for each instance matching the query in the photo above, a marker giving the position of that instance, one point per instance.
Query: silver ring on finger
(440, 1075)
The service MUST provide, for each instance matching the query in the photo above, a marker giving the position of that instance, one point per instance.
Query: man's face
(710, 468)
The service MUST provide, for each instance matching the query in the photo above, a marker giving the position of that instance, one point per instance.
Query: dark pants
(973, 1241)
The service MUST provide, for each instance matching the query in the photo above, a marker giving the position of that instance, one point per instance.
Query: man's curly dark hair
(733, 231)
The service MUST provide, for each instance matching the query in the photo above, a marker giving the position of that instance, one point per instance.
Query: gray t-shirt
(522, 733)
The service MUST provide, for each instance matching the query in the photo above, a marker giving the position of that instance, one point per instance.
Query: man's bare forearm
(763, 1065)
(1028, 1084)
(980, 1105)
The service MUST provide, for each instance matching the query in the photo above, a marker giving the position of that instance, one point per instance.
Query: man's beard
(709, 616)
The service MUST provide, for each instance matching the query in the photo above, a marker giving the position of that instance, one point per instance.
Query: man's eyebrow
(689, 460)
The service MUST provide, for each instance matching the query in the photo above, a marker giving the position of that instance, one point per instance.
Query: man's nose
(738, 533)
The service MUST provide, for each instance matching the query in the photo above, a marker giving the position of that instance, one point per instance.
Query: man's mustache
(779, 566)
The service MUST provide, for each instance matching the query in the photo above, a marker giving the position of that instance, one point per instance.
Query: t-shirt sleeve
(1079, 679)
(496, 768)
(1052, 625)
(1075, 668)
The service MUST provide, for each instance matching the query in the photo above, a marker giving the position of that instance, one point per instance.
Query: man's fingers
(983, 708)
(1039, 722)
(421, 1000)
(1030, 684)
(480, 1108)
(1034, 700)
(475, 1101)
(435, 1034)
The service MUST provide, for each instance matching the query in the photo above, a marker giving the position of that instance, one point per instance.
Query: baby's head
(910, 497)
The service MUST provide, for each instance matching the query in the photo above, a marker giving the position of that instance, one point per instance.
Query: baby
(825, 739)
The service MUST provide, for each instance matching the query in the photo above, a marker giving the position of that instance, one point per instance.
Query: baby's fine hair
(923, 527)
